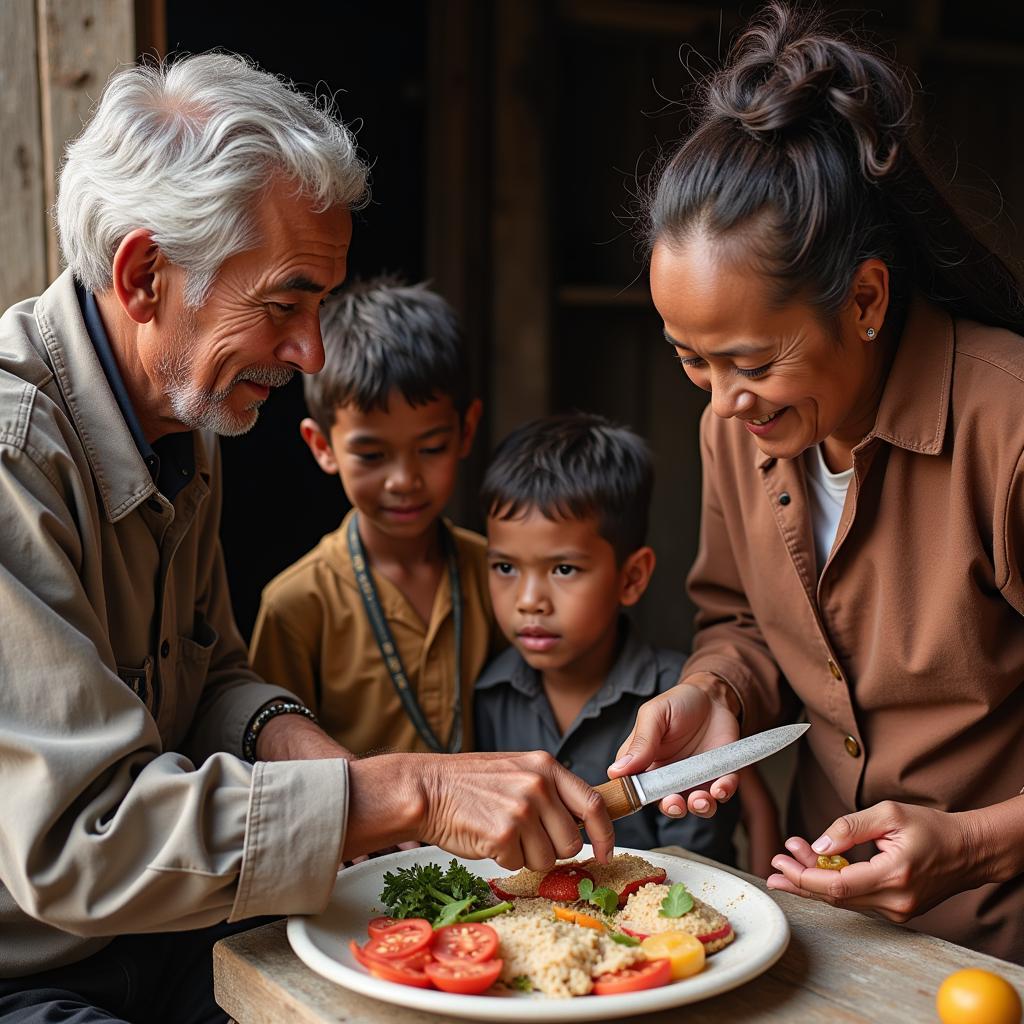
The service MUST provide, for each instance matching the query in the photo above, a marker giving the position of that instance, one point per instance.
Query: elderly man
(151, 783)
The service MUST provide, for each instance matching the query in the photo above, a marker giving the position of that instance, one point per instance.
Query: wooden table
(840, 968)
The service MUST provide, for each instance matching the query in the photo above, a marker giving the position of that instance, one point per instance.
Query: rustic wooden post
(80, 43)
(22, 209)
(521, 312)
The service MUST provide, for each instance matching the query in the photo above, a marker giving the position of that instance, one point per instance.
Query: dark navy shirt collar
(171, 459)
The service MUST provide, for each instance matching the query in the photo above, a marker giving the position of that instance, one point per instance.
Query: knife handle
(619, 797)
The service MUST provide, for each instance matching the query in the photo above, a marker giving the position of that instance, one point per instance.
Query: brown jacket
(908, 652)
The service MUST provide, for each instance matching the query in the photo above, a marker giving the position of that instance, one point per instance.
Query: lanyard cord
(386, 643)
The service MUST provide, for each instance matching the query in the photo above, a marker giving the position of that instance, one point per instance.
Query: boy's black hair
(572, 467)
(383, 335)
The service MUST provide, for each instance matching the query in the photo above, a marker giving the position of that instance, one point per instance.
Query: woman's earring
(871, 332)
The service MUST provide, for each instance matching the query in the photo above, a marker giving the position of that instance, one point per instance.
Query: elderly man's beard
(200, 409)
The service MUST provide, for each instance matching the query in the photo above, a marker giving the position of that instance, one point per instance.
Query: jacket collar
(915, 402)
(122, 477)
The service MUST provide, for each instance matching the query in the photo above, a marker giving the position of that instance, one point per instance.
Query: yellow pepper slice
(684, 952)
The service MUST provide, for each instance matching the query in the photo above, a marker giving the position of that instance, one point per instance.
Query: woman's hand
(698, 714)
(924, 857)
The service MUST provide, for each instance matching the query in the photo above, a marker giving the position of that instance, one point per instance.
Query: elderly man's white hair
(185, 150)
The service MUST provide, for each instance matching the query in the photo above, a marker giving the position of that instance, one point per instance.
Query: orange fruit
(974, 996)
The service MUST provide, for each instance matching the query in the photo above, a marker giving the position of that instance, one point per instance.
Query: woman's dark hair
(801, 152)
(572, 467)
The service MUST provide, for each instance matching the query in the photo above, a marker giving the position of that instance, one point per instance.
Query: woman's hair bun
(786, 74)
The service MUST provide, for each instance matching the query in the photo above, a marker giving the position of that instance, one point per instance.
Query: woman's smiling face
(791, 378)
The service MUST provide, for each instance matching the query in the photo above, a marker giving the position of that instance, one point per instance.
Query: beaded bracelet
(263, 716)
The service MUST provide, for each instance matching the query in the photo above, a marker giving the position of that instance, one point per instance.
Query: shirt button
(835, 670)
(165, 649)
(784, 498)
(852, 746)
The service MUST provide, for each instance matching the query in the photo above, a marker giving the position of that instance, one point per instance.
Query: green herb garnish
(487, 912)
(451, 912)
(677, 902)
(523, 983)
(424, 890)
(623, 939)
(605, 899)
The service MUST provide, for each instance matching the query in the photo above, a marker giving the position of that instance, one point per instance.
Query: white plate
(321, 942)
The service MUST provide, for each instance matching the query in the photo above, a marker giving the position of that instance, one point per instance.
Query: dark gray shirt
(513, 713)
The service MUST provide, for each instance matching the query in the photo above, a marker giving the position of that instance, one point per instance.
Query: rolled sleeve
(308, 802)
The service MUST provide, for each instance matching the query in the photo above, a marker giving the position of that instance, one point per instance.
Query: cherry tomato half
(402, 972)
(465, 977)
(404, 939)
(462, 943)
(382, 924)
(652, 974)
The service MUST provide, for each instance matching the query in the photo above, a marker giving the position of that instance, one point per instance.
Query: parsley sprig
(442, 897)
(677, 902)
(607, 900)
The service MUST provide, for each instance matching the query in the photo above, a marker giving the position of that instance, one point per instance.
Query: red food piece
(563, 884)
(466, 978)
(631, 887)
(381, 924)
(499, 892)
(400, 941)
(464, 943)
(632, 931)
(714, 936)
(652, 974)
(403, 972)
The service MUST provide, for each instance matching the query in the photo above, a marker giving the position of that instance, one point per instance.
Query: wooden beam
(521, 327)
(23, 209)
(151, 27)
(80, 43)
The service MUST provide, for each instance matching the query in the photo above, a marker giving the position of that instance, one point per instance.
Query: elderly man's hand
(518, 809)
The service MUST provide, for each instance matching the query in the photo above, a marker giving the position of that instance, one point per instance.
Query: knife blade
(628, 793)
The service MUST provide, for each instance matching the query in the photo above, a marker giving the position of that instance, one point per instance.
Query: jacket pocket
(140, 682)
(194, 654)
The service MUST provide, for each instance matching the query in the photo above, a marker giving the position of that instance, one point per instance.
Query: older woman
(863, 530)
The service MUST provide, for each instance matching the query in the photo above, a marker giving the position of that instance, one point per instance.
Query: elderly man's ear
(140, 272)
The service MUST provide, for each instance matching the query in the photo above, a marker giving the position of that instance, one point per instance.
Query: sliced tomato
(658, 877)
(714, 936)
(402, 940)
(632, 931)
(382, 924)
(466, 978)
(649, 974)
(465, 943)
(402, 972)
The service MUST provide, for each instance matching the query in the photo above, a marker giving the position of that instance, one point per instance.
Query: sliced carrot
(575, 917)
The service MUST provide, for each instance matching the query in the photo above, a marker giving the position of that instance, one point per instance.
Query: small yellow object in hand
(833, 863)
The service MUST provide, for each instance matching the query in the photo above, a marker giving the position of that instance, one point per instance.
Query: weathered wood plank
(520, 370)
(840, 968)
(22, 211)
(80, 43)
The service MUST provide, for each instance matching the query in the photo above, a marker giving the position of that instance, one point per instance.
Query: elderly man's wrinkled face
(261, 319)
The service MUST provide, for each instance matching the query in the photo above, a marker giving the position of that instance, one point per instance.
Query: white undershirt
(828, 495)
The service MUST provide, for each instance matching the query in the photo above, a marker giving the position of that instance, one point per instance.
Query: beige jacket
(124, 688)
(908, 652)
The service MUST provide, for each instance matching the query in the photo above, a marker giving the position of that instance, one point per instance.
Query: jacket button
(852, 746)
(835, 670)
(784, 498)
(165, 649)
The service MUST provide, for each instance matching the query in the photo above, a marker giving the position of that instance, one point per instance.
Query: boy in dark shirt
(567, 501)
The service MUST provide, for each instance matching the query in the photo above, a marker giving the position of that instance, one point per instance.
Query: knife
(628, 793)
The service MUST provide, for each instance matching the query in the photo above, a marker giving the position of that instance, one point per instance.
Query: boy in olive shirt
(384, 625)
